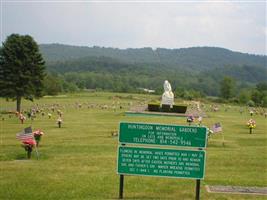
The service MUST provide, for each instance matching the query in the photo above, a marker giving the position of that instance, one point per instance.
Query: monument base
(153, 107)
(148, 113)
(143, 111)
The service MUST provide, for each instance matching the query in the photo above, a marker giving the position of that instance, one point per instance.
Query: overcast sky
(239, 26)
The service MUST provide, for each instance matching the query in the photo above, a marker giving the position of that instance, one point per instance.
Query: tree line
(23, 75)
(228, 90)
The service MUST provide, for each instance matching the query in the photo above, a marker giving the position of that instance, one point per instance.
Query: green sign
(161, 162)
(163, 134)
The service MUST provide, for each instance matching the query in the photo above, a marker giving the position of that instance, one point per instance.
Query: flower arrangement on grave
(33, 115)
(190, 119)
(22, 118)
(37, 136)
(251, 125)
(59, 112)
(28, 146)
(210, 132)
(199, 120)
(59, 122)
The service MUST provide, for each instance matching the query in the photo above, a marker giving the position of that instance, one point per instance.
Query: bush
(251, 103)
(264, 101)
(179, 108)
(165, 108)
(234, 100)
(154, 107)
(244, 96)
(217, 100)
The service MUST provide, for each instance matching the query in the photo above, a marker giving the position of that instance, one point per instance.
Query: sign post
(121, 186)
(198, 189)
(151, 159)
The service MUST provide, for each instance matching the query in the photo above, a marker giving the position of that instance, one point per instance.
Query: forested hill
(196, 58)
(197, 68)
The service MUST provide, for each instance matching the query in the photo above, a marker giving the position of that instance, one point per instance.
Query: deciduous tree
(227, 87)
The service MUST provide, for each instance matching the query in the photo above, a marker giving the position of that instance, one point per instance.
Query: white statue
(167, 96)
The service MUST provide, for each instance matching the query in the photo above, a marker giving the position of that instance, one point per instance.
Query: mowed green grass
(78, 161)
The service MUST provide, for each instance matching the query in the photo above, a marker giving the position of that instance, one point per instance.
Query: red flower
(38, 132)
(29, 142)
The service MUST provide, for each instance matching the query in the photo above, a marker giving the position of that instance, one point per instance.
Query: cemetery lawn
(78, 161)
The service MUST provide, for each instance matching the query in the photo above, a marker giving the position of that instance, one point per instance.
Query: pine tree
(22, 69)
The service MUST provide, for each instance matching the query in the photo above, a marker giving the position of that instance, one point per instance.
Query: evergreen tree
(21, 69)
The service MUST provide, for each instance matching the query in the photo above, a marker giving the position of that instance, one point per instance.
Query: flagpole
(223, 138)
(36, 151)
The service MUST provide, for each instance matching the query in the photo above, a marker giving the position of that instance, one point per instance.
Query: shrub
(251, 103)
(154, 107)
(165, 108)
(179, 108)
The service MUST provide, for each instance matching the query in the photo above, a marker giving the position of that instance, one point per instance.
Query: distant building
(147, 90)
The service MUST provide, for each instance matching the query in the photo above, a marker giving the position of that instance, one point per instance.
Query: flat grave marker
(237, 189)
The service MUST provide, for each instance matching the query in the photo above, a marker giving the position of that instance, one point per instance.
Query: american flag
(26, 136)
(216, 127)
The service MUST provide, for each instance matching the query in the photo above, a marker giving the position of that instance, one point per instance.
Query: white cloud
(237, 26)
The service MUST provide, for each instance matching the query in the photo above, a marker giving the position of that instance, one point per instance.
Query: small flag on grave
(26, 136)
(216, 128)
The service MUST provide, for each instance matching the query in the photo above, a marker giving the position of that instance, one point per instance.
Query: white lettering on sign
(146, 140)
(188, 130)
(165, 128)
(140, 126)
(161, 162)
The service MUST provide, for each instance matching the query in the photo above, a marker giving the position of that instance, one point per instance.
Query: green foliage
(179, 108)
(259, 94)
(250, 103)
(244, 96)
(196, 58)
(262, 86)
(69, 87)
(256, 96)
(200, 69)
(227, 87)
(52, 85)
(21, 69)
(264, 100)
(153, 107)
(165, 108)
